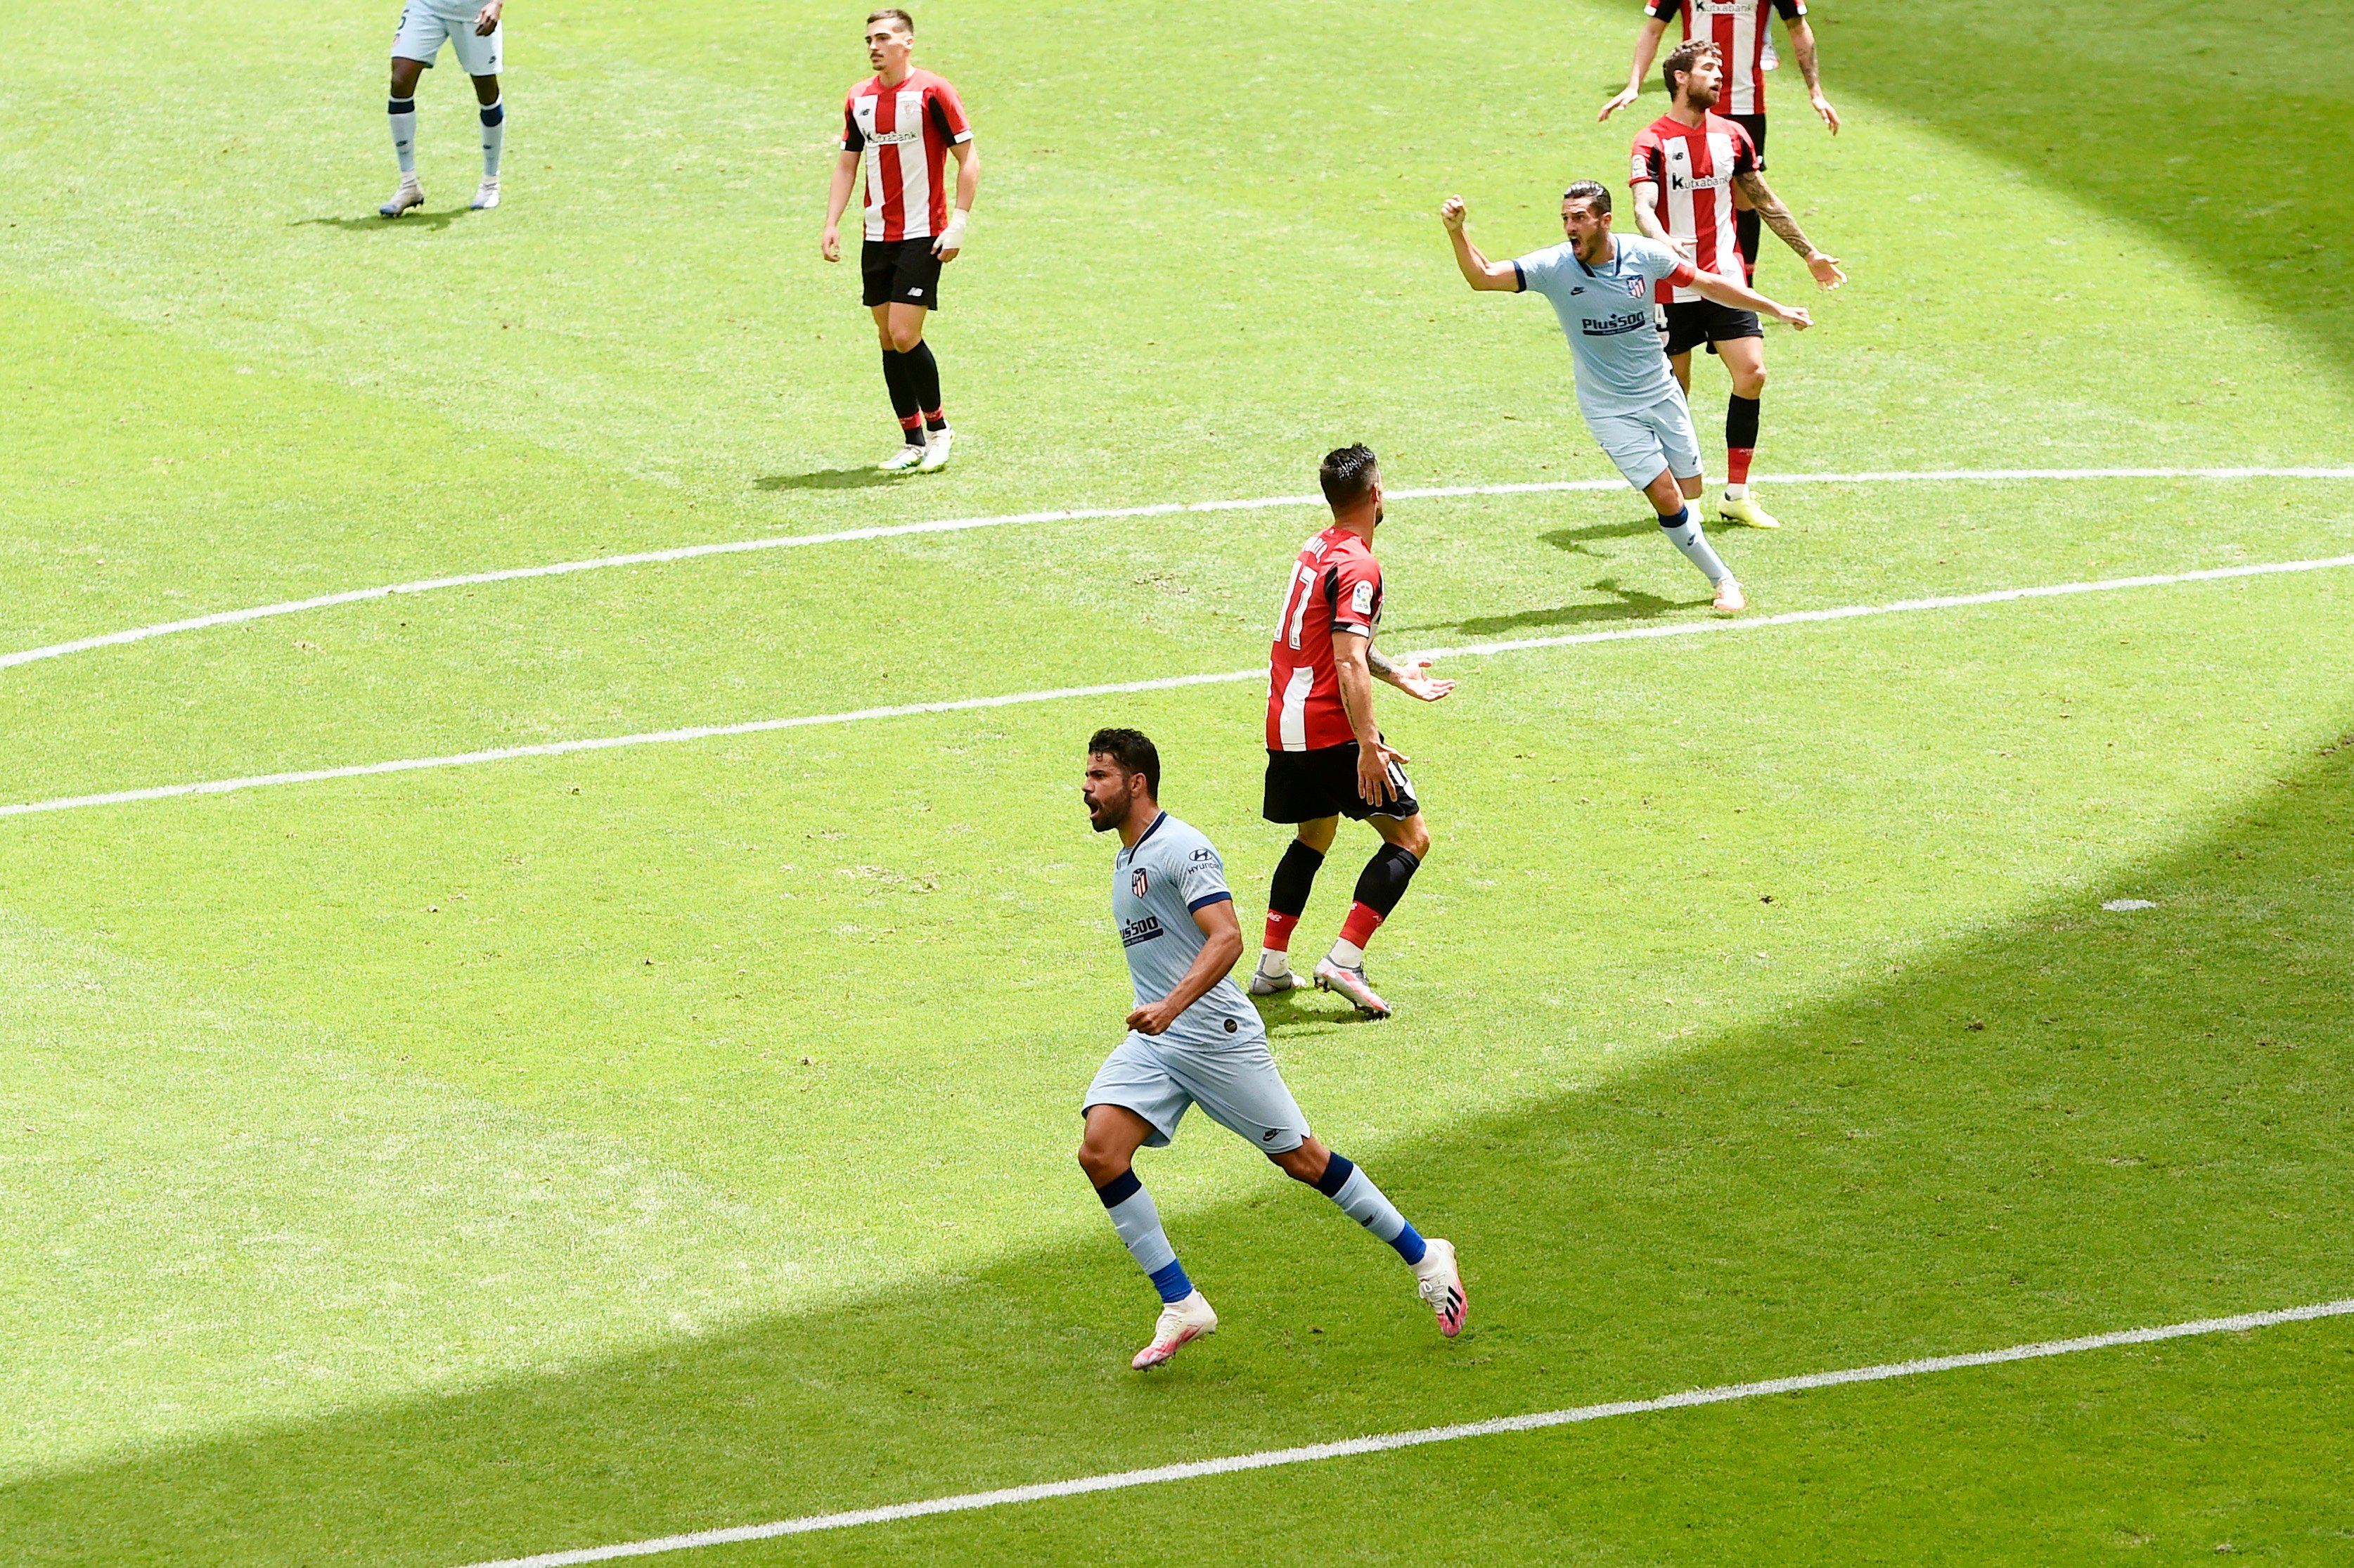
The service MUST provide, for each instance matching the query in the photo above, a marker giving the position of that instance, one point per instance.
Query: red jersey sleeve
(1745, 149)
(854, 140)
(947, 110)
(1646, 165)
(1352, 587)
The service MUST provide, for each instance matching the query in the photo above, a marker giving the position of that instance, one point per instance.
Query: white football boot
(905, 458)
(1439, 1282)
(1351, 983)
(410, 197)
(1730, 600)
(486, 195)
(1181, 1323)
(1265, 984)
(936, 449)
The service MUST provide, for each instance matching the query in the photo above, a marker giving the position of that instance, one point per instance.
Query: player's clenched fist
(1452, 212)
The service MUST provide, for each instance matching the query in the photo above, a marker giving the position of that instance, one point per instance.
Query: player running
(1325, 756)
(1737, 28)
(1194, 1040)
(904, 124)
(477, 38)
(1693, 162)
(1600, 285)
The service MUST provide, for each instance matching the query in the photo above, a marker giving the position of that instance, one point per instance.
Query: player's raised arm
(1802, 44)
(1776, 217)
(1741, 297)
(1478, 271)
(1647, 49)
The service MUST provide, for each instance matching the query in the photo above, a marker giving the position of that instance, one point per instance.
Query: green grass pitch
(431, 1168)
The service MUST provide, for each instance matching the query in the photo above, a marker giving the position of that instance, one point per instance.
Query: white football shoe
(486, 195)
(1351, 983)
(408, 196)
(1181, 1323)
(1730, 600)
(1265, 984)
(936, 449)
(906, 458)
(1439, 1282)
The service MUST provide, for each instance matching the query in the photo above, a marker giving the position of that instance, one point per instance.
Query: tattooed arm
(1776, 217)
(1406, 675)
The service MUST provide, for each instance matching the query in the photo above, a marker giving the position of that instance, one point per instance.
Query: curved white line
(1164, 684)
(1086, 515)
(1388, 1442)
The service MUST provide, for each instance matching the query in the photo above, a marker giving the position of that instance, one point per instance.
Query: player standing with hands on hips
(903, 125)
(476, 37)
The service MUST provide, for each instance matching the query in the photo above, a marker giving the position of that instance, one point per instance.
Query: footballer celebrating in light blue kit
(1600, 286)
(1194, 1039)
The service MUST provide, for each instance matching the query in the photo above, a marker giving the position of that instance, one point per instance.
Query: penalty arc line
(1161, 683)
(1084, 514)
(1388, 1442)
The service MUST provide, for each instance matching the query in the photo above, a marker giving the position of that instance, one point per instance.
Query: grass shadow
(1629, 604)
(2079, 1120)
(828, 479)
(375, 223)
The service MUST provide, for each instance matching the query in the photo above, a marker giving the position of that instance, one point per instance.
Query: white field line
(1388, 1441)
(1164, 684)
(1085, 515)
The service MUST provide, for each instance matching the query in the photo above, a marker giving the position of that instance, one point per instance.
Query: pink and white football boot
(1181, 1323)
(1439, 1282)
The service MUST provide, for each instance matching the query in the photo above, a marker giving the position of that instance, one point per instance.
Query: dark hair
(1133, 750)
(1592, 191)
(1347, 475)
(1682, 58)
(906, 22)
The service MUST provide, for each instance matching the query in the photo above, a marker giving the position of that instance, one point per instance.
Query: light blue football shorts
(1644, 441)
(1236, 1084)
(426, 25)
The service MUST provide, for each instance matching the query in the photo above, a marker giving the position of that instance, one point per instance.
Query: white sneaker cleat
(1181, 1323)
(1439, 1280)
(1730, 600)
(486, 195)
(1746, 511)
(408, 196)
(1351, 983)
(1265, 984)
(936, 449)
(904, 460)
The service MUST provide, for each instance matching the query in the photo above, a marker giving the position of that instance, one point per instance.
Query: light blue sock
(1138, 1222)
(402, 111)
(1362, 1202)
(1684, 531)
(495, 137)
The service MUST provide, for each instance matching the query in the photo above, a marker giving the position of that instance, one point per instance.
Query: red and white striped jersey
(1335, 586)
(1737, 28)
(1693, 166)
(906, 132)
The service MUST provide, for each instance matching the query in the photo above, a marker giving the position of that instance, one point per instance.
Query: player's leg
(1405, 844)
(1659, 456)
(915, 294)
(1134, 1102)
(1286, 898)
(400, 109)
(1681, 365)
(896, 375)
(1439, 1277)
(493, 107)
(1744, 358)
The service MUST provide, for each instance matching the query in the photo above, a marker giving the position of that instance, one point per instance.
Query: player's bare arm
(486, 20)
(1478, 271)
(1776, 217)
(1221, 945)
(1802, 44)
(837, 201)
(1647, 49)
(1374, 756)
(1407, 675)
(1741, 297)
(951, 239)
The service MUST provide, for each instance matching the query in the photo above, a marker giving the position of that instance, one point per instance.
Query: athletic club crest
(1139, 881)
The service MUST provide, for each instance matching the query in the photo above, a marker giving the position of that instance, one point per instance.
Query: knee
(1751, 385)
(1100, 1163)
(903, 339)
(1416, 841)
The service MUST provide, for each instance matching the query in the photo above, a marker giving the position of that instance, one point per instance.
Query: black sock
(900, 378)
(1741, 423)
(1745, 229)
(924, 379)
(1384, 881)
(1295, 878)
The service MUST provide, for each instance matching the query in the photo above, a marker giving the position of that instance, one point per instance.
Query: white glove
(952, 236)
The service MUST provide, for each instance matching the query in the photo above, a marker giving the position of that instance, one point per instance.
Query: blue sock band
(1679, 520)
(1120, 1189)
(496, 114)
(1171, 1282)
(1337, 1172)
(400, 106)
(1409, 1243)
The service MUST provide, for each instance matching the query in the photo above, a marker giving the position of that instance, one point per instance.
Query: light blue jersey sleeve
(1202, 878)
(1540, 270)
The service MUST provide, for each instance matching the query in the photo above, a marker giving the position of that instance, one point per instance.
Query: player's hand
(1624, 97)
(1826, 269)
(1452, 212)
(1795, 316)
(944, 251)
(1830, 116)
(1408, 677)
(1374, 785)
(830, 245)
(1154, 1018)
(486, 20)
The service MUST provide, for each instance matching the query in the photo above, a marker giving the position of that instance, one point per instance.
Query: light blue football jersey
(1605, 313)
(1156, 887)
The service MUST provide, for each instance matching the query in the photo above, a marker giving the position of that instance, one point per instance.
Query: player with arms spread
(477, 37)
(1325, 756)
(1690, 166)
(1195, 1040)
(1600, 286)
(903, 125)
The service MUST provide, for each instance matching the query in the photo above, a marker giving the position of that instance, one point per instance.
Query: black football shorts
(901, 272)
(1302, 786)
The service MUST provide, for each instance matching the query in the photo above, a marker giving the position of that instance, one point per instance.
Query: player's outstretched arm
(1776, 217)
(1487, 276)
(1741, 297)
(1406, 675)
(1222, 944)
(1647, 49)
(845, 174)
(1647, 214)
(951, 239)
(1802, 44)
